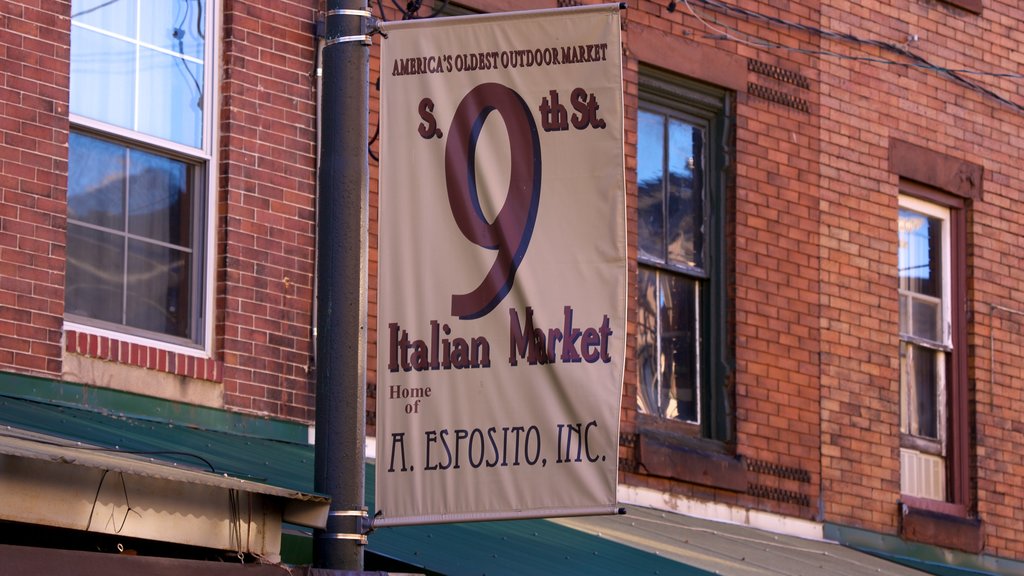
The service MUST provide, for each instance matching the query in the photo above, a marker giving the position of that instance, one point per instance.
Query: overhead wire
(915, 60)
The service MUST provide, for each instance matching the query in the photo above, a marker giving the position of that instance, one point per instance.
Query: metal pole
(342, 240)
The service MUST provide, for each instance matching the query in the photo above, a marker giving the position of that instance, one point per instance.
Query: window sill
(667, 453)
(941, 524)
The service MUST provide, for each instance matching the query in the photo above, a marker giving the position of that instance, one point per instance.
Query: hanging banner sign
(502, 296)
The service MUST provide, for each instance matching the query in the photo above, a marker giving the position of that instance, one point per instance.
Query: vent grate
(780, 74)
(778, 470)
(779, 495)
(779, 97)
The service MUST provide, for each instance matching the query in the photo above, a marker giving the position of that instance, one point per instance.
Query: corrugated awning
(304, 509)
(643, 541)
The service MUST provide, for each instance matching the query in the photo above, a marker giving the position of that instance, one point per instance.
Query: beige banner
(502, 300)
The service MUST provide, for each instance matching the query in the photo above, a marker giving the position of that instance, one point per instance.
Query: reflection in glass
(647, 352)
(96, 186)
(142, 73)
(650, 184)
(679, 347)
(117, 17)
(685, 195)
(93, 286)
(920, 249)
(174, 25)
(157, 286)
(150, 286)
(920, 388)
(160, 199)
(668, 354)
(102, 77)
(170, 97)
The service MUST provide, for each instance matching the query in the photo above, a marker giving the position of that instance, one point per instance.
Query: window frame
(956, 402)
(712, 107)
(203, 159)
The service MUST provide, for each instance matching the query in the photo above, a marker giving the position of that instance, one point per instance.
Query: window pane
(158, 289)
(102, 77)
(650, 155)
(94, 271)
(175, 25)
(679, 347)
(685, 195)
(117, 17)
(170, 97)
(920, 253)
(160, 199)
(96, 181)
(647, 343)
(920, 374)
(668, 345)
(926, 316)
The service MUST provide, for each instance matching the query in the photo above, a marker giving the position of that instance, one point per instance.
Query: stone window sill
(664, 449)
(941, 524)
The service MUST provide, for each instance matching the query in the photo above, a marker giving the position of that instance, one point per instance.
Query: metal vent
(779, 495)
(778, 470)
(779, 97)
(922, 475)
(780, 74)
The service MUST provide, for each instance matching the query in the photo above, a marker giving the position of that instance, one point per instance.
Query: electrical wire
(915, 60)
(93, 9)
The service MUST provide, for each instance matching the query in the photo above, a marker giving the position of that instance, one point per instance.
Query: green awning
(643, 541)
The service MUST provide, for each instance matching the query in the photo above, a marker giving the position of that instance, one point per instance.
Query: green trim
(296, 548)
(139, 406)
(930, 559)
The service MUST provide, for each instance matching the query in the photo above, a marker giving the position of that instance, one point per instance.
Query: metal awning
(643, 541)
(105, 474)
(303, 509)
(640, 542)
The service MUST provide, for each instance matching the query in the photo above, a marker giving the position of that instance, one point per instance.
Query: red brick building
(824, 236)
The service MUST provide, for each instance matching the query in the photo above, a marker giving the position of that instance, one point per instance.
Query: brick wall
(266, 210)
(34, 38)
(812, 232)
(864, 106)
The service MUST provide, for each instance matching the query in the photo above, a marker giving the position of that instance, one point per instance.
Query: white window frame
(924, 462)
(207, 156)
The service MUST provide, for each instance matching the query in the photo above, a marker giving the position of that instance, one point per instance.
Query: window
(139, 167)
(681, 293)
(933, 410)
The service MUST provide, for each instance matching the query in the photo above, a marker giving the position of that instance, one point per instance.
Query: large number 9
(510, 232)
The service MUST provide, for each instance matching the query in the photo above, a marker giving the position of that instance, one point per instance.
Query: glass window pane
(170, 97)
(647, 343)
(94, 271)
(920, 389)
(679, 347)
(102, 77)
(117, 17)
(650, 155)
(96, 185)
(158, 289)
(160, 199)
(175, 25)
(685, 226)
(920, 253)
(926, 319)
